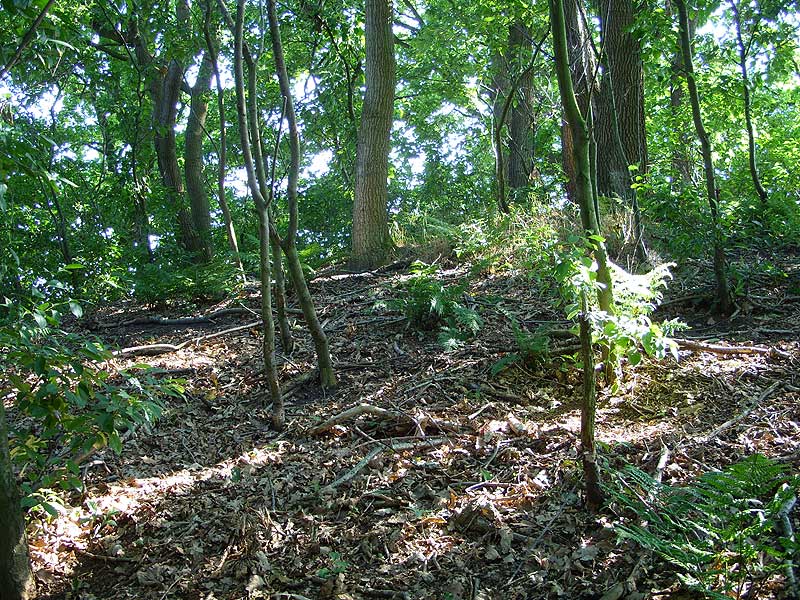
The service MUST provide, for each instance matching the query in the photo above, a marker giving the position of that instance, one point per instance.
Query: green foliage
(157, 284)
(66, 401)
(531, 347)
(428, 303)
(721, 532)
(629, 330)
(336, 565)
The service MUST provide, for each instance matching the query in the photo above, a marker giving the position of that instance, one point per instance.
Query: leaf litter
(454, 483)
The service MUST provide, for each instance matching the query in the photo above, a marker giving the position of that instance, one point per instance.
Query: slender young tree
(723, 294)
(249, 132)
(327, 376)
(211, 49)
(371, 242)
(16, 580)
(748, 116)
(584, 196)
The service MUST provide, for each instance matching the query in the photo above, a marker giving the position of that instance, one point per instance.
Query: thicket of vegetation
(169, 153)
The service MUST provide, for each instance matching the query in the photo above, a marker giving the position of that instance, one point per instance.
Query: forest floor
(468, 487)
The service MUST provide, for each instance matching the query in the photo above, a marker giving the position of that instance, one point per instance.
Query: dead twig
(764, 395)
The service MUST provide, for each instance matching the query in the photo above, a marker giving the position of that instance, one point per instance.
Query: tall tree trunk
(748, 117)
(16, 580)
(620, 123)
(513, 94)
(583, 68)
(250, 138)
(211, 48)
(723, 293)
(371, 242)
(520, 129)
(681, 161)
(584, 190)
(327, 376)
(199, 226)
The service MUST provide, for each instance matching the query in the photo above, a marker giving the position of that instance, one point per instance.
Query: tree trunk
(250, 138)
(681, 161)
(16, 580)
(327, 376)
(584, 196)
(211, 48)
(287, 340)
(594, 494)
(520, 129)
(620, 130)
(748, 117)
(723, 293)
(199, 228)
(371, 242)
(583, 68)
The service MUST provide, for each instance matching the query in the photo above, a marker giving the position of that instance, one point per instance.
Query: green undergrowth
(723, 532)
(68, 400)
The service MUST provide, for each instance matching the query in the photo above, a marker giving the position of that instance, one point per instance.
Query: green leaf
(76, 309)
(73, 266)
(40, 319)
(634, 357)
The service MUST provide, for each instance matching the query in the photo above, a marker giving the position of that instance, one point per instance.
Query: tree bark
(582, 67)
(16, 580)
(620, 130)
(327, 376)
(198, 230)
(371, 242)
(521, 127)
(748, 117)
(723, 293)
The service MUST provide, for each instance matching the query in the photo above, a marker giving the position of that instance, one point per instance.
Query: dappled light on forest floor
(455, 480)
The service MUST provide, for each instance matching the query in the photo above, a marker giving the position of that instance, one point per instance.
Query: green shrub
(428, 304)
(158, 284)
(722, 532)
(66, 402)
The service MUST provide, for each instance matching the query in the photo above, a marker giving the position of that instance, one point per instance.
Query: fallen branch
(154, 349)
(764, 395)
(393, 446)
(357, 411)
(156, 320)
(696, 346)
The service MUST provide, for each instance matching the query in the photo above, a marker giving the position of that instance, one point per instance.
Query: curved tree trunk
(723, 293)
(748, 117)
(199, 227)
(582, 67)
(584, 190)
(371, 242)
(16, 580)
(211, 48)
(327, 376)
(250, 138)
